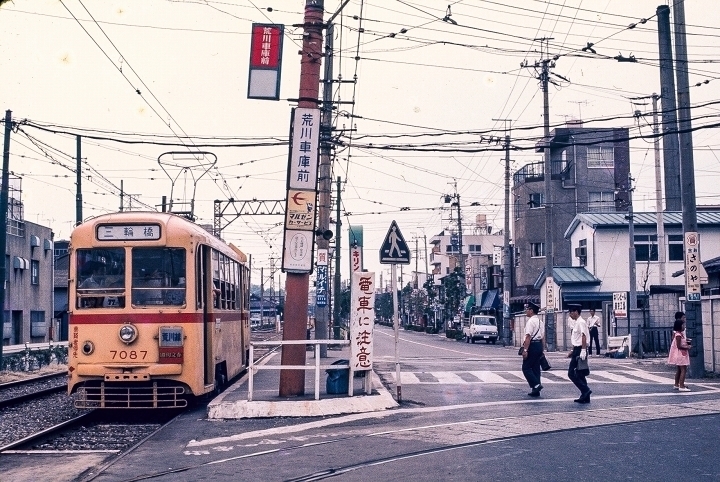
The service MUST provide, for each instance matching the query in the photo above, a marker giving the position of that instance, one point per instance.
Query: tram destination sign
(128, 232)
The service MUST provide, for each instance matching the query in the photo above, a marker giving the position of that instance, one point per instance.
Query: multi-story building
(28, 277)
(590, 170)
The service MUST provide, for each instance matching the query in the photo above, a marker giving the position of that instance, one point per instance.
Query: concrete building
(590, 169)
(29, 265)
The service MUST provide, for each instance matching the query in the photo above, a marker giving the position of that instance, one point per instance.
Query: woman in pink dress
(679, 352)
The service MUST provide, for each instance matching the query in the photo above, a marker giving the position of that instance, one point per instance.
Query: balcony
(535, 171)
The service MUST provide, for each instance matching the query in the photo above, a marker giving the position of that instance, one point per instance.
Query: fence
(317, 366)
(654, 341)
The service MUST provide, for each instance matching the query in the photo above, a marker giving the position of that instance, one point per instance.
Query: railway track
(19, 391)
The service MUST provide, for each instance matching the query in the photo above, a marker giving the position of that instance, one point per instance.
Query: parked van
(481, 327)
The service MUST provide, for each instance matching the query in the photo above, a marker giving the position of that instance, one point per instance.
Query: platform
(233, 402)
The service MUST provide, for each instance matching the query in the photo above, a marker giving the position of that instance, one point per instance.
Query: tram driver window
(100, 278)
(158, 277)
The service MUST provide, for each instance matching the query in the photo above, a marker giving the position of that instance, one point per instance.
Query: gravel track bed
(19, 421)
(30, 387)
(99, 436)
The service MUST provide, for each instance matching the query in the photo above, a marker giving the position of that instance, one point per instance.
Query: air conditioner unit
(581, 252)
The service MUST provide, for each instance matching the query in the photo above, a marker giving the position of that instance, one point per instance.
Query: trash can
(337, 378)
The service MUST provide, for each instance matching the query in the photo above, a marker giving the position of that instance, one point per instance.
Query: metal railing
(654, 341)
(317, 366)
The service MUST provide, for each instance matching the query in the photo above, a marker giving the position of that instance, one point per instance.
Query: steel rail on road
(45, 432)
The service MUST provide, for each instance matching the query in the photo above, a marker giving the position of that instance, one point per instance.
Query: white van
(481, 327)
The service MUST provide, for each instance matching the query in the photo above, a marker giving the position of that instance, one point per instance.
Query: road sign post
(394, 251)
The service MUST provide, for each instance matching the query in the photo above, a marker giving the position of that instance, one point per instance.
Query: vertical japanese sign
(692, 267)
(497, 256)
(549, 295)
(355, 258)
(362, 320)
(265, 61)
(321, 278)
(301, 197)
(620, 304)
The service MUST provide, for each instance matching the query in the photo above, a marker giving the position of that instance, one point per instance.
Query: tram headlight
(88, 347)
(128, 333)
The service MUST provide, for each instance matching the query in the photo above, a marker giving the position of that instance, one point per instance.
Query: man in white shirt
(533, 348)
(578, 338)
(593, 323)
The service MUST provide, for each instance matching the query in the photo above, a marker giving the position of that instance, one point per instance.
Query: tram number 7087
(128, 355)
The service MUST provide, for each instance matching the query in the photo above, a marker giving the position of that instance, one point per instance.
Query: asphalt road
(465, 415)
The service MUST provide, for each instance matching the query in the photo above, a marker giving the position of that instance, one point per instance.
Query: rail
(317, 366)
(33, 346)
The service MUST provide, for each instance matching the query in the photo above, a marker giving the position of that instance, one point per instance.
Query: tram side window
(158, 276)
(100, 278)
(224, 282)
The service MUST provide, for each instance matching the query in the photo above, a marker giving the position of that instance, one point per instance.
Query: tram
(159, 311)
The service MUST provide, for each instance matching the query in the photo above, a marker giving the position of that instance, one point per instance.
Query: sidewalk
(233, 402)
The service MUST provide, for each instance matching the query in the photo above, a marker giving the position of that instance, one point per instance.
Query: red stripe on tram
(138, 318)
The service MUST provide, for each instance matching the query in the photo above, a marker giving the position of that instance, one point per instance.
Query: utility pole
(632, 303)
(658, 192)
(4, 190)
(336, 289)
(671, 149)
(122, 191)
(547, 63)
(693, 308)
(506, 280)
(416, 264)
(292, 382)
(78, 187)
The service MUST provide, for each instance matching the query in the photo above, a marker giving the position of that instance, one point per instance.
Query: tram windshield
(158, 276)
(101, 278)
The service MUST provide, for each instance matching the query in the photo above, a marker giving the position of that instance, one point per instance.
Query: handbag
(582, 368)
(520, 350)
(544, 364)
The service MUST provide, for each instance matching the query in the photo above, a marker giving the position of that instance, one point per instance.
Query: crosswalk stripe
(489, 377)
(516, 376)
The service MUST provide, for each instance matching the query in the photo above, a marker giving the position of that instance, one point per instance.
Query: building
(590, 171)
(29, 265)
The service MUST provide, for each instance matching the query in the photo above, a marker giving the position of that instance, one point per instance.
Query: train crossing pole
(292, 382)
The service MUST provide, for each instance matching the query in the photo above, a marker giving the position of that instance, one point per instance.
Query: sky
(140, 78)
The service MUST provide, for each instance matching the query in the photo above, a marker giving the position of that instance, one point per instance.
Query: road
(465, 416)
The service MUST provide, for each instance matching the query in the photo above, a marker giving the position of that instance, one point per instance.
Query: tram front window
(158, 276)
(100, 278)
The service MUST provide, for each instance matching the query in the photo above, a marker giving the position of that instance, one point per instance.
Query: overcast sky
(430, 80)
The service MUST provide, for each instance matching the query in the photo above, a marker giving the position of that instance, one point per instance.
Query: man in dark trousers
(533, 348)
(593, 323)
(579, 339)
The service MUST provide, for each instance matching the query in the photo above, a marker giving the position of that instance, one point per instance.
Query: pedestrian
(679, 352)
(533, 348)
(594, 322)
(578, 338)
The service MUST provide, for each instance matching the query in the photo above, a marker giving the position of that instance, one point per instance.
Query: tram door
(204, 291)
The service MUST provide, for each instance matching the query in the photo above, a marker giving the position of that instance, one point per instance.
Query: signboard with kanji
(265, 61)
(300, 210)
(304, 144)
(620, 304)
(549, 295)
(692, 267)
(321, 278)
(362, 320)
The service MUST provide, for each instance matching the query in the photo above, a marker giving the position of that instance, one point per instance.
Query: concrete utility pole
(78, 186)
(292, 382)
(506, 281)
(671, 149)
(4, 189)
(658, 193)
(549, 310)
(632, 302)
(336, 284)
(693, 308)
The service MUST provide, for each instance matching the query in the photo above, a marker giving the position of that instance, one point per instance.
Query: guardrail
(32, 346)
(252, 368)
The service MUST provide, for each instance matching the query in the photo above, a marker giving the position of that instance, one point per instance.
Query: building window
(34, 271)
(675, 247)
(537, 250)
(646, 248)
(601, 202)
(449, 248)
(474, 248)
(537, 200)
(600, 157)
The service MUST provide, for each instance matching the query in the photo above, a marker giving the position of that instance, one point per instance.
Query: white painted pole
(398, 384)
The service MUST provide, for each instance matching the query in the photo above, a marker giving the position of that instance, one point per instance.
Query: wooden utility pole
(3, 217)
(292, 382)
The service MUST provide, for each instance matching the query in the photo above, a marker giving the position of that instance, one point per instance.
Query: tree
(454, 288)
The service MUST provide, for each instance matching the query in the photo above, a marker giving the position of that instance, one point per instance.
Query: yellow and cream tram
(159, 311)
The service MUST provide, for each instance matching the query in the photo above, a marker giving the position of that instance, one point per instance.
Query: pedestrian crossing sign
(394, 249)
